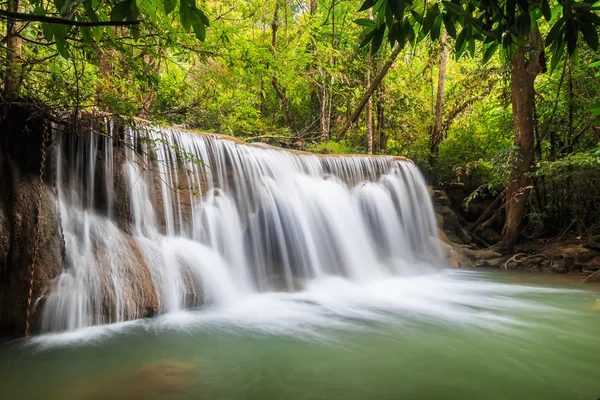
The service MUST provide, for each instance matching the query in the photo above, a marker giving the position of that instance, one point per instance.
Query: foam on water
(331, 304)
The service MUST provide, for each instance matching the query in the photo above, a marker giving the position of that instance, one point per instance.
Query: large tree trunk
(436, 132)
(274, 81)
(374, 85)
(12, 77)
(523, 77)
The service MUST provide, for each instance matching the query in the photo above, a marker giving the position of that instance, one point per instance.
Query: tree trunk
(325, 111)
(436, 132)
(374, 85)
(380, 134)
(286, 104)
(523, 77)
(369, 112)
(12, 77)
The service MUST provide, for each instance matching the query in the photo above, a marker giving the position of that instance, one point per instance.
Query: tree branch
(61, 21)
(374, 85)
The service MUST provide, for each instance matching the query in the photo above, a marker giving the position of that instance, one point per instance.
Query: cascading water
(166, 219)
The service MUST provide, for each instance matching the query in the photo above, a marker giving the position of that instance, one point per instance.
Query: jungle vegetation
(501, 96)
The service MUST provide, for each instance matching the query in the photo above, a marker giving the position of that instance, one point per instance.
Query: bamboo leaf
(169, 6)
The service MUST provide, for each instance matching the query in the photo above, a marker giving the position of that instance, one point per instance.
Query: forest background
(432, 81)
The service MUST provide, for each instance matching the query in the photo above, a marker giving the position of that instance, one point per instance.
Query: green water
(509, 338)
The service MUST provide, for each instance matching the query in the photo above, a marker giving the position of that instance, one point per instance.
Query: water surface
(456, 335)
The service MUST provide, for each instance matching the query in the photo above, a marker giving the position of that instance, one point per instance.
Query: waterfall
(159, 219)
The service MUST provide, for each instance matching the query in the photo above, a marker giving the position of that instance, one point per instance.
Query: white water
(210, 221)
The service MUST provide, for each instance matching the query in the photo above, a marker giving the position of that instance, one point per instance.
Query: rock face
(19, 192)
(460, 249)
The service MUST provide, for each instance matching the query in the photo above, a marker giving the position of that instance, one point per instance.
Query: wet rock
(450, 255)
(490, 236)
(441, 198)
(20, 208)
(149, 312)
(451, 222)
(123, 208)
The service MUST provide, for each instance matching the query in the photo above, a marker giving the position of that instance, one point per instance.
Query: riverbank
(573, 256)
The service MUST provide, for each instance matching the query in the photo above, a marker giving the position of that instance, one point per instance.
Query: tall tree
(436, 131)
(274, 81)
(511, 26)
(13, 53)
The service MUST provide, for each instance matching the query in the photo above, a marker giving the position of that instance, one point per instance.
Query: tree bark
(524, 72)
(436, 132)
(325, 116)
(12, 77)
(380, 134)
(274, 81)
(369, 112)
(374, 85)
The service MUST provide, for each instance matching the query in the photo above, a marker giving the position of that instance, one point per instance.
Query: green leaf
(203, 17)
(461, 42)
(555, 31)
(367, 35)
(437, 28)
(87, 35)
(366, 5)
(200, 30)
(134, 11)
(120, 11)
(48, 31)
(589, 35)
(432, 13)
(377, 39)
(365, 22)
(397, 7)
(417, 16)
(571, 36)
(449, 24)
(185, 16)
(89, 10)
(557, 54)
(169, 6)
(546, 11)
(454, 8)
(60, 32)
(472, 47)
(39, 11)
(489, 52)
(59, 4)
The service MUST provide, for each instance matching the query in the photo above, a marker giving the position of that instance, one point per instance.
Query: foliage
(571, 186)
(331, 147)
(219, 77)
(497, 24)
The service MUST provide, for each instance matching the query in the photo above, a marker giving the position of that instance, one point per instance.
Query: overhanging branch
(62, 21)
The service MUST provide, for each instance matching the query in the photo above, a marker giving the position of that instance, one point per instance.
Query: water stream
(452, 335)
(278, 275)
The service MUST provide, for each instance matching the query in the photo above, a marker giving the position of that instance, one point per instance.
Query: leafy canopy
(496, 23)
(64, 19)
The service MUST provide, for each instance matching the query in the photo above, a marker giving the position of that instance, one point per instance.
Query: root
(521, 258)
